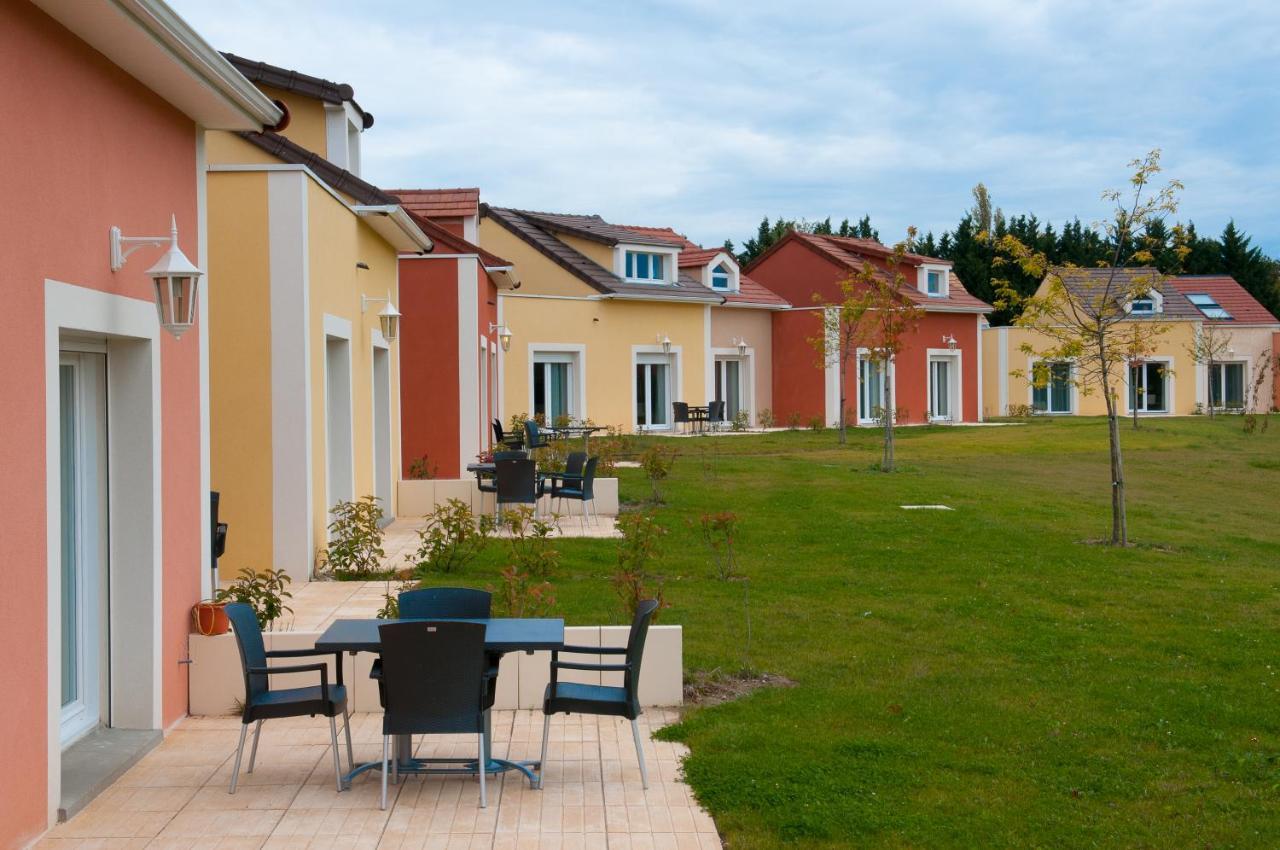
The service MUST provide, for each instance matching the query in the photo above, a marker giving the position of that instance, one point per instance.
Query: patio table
(584, 431)
(698, 415)
(502, 635)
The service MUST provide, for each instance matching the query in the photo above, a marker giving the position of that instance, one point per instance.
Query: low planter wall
(420, 497)
(217, 681)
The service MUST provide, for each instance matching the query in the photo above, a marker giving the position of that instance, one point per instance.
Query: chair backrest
(498, 433)
(589, 478)
(574, 463)
(532, 435)
(516, 481)
(440, 603)
(681, 410)
(716, 411)
(511, 454)
(433, 676)
(252, 651)
(635, 649)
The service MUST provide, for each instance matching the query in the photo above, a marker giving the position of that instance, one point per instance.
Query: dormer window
(721, 278)
(934, 281)
(1142, 307)
(645, 266)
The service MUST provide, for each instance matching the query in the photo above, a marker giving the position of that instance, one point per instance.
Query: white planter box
(417, 498)
(217, 681)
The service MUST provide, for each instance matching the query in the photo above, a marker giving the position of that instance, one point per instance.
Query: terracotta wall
(799, 381)
(429, 364)
(89, 148)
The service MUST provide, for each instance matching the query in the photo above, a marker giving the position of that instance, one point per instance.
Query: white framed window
(554, 385)
(871, 378)
(1150, 386)
(652, 390)
(1056, 395)
(730, 386)
(945, 399)
(721, 277)
(934, 281)
(1147, 303)
(1226, 385)
(646, 266)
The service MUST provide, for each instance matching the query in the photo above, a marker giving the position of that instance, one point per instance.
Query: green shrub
(450, 538)
(355, 545)
(637, 550)
(264, 592)
(765, 418)
(656, 463)
(421, 469)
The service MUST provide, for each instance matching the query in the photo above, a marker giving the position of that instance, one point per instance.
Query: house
(304, 363)
(935, 377)
(614, 323)
(105, 487)
(1168, 381)
(449, 385)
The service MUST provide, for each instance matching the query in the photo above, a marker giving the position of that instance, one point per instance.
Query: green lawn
(981, 677)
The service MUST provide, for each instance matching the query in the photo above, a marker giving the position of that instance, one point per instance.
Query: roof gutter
(503, 277)
(395, 225)
(620, 296)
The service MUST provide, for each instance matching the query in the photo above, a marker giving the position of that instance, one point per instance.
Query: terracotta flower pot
(210, 618)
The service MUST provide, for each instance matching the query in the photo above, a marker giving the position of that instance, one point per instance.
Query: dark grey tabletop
(501, 635)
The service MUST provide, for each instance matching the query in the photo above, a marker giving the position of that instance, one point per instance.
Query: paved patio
(177, 795)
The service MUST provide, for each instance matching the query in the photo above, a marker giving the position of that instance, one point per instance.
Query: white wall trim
(292, 463)
(202, 261)
(675, 388)
(709, 366)
(576, 348)
(1075, 391)
(831, 374)
(468, 400)
(1002, 364)
(978, 338)
(1170, 388)
(136, 555)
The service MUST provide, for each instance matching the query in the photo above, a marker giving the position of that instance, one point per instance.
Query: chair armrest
(603, 668)
(300, 668)
(592, 650)
(303, 653)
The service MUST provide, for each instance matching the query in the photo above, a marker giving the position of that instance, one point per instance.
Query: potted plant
(210, 617)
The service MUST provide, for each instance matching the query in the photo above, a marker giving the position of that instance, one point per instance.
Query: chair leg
(337, 764)
(546, 733)
(635, 733)
(384, 773)
(235, 770)
(346, 727)
(253, 752)
(484, 801)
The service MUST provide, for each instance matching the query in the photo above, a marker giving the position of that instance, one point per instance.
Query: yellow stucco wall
(608, 330)
(597, 252)
(222, 147)
(538, 274)
(239, 377)
(756, 327)
(1181, 376)
(306, 120)
(337, 241)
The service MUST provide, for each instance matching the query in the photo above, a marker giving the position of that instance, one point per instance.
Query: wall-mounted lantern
(504, 335)
(665, 342)
(949, 341)
(175, 278)
(388, 316)
(742, 347)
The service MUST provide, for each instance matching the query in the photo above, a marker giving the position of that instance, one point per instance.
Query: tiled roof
(698, 256)
(853, 255)
(535, 230)
(337, 178)
(447, 242)
(665, 233)
(1090, 284)
(595, 228)
(296, 81)
(749, 291)
(440, 203)
(1230, 296)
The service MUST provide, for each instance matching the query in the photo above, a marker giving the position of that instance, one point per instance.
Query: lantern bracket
(123, 246)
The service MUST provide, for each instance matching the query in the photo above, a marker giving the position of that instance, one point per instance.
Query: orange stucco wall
(429, 364)
(89, 147)
(799, 382)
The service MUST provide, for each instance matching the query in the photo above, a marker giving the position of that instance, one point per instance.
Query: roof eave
(395, 225)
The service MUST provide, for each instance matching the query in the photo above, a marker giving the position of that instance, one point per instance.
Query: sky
(706, 116)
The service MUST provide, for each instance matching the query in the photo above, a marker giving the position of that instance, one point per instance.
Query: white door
(83, 482)
(729, 386)
(653, 394)
(940, 400)
(340, 474)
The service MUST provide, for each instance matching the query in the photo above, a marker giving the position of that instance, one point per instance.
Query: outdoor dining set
(436, 672)
(514, 478)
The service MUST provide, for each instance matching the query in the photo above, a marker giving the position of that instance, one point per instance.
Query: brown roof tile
(597, 229)
(296, 81)
(337, 178)
(1090, 284)
(447, 242)
(440, 203)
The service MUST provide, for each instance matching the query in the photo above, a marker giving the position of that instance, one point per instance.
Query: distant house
(1167, 382)
(936, 377)
(449, 377)
(616, 323)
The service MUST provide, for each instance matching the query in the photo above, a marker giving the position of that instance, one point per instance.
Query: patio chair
(680, 413)
(533, 436)
(436, 679)
(581, 489)
(715, 414)
(502, 438)
(262, 702)
(442, 603)
(575, 698)
(518, 483)
(573, 465)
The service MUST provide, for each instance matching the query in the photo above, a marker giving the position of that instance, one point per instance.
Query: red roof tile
(666, 233)
(1230, 295)
(447, 242)
(440, 203)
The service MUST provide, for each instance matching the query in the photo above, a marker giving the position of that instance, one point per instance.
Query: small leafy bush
(451, 537)
(390, 609)
(529, 542)
(765, 418)
(355, 546)
(718, 533)
(656, 463)
(816, 424)
(421, 469)
(741, 421)
(1021, 411)
(264, 592)
(521, 595)
(793, 421)
(637, 550)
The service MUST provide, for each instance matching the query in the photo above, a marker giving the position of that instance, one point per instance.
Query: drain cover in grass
(926, 508)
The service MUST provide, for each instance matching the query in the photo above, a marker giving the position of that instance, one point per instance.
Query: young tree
(1210, 345)
(1089, 325)
(873, 313)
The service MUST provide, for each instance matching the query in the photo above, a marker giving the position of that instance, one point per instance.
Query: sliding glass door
(729, 374)
(1055, 395)
(940, 391)
(653, 392)
(554, 382)
(1147, 388)
(1226, 386)
(870, 390)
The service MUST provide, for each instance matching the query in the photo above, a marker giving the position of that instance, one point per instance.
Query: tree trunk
(843, 425)
(886, 462)
(1210, 399)
(1119, 520)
